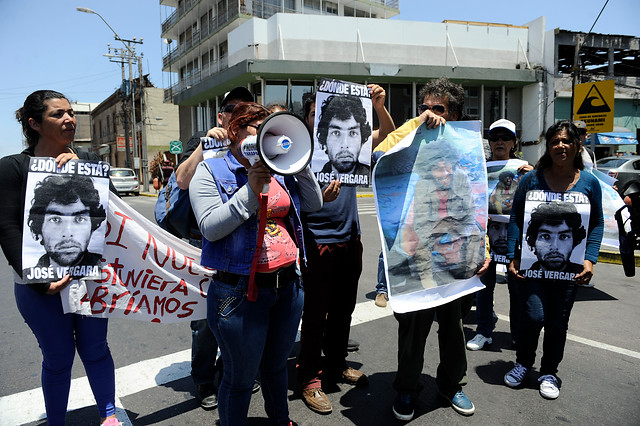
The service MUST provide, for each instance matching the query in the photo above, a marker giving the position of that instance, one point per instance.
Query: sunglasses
(228, 108)
(437, 109)
(253, 125)
(503, 138)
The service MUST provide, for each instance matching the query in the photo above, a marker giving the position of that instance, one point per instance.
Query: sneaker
(478, 342)
(549, 386)
(353, 345)
(515, 377)
(207, 396)
(403, 407)
(256, 387)
(461, 403)
(111, 421)
(381, 300)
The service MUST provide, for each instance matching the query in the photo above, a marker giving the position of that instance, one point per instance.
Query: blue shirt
(335, 222)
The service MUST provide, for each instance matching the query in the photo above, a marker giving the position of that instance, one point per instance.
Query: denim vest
(234, 253)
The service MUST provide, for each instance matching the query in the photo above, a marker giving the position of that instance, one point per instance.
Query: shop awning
(616, 138)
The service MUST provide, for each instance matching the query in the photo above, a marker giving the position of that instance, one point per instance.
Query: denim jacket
(234, 252)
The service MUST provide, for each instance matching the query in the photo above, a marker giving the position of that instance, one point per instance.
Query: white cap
(505, 124)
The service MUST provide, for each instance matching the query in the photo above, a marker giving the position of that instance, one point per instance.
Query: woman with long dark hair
(253, 307)
(553, 231)
(49, 126)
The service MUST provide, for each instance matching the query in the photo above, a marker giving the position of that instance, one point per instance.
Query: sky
(50, 45)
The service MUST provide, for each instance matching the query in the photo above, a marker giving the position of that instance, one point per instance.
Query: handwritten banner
(147, 274)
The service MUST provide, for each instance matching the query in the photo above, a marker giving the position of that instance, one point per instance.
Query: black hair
(439, 150)
(34, 107)
(506, 174)
(444, 88)
(545, 161)
(342, 107)
(65, 189)
(308, 99)
(554, 214)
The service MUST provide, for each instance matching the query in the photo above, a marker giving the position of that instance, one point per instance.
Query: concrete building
(156, 124)
(82, 139)
(280, 49)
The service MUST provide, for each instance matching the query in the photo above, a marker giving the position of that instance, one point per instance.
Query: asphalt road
(600, 371)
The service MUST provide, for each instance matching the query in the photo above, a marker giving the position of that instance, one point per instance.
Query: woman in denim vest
(253, 307)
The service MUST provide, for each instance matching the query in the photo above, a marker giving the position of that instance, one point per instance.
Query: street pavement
(600, 370)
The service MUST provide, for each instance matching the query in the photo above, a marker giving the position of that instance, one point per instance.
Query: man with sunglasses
(442, 101)
(204, 347)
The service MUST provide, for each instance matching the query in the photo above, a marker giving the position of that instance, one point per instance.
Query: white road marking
(28, 406)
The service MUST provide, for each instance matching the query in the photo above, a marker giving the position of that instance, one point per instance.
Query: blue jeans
(254, 335)
(59, 335)
(484, 304)
(204, 350)
(547, 304)
(381, 287)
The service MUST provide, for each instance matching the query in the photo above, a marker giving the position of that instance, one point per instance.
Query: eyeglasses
(437, 109)
(228, 108)
(503, 138)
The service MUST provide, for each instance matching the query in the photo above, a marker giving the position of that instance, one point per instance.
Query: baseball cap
(580, 124)
(505, 124)
(239, 92)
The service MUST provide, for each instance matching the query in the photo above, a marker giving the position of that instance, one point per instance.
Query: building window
(108, 126)
(298, 89)
(330, 8)
(399, 98)
(276, 91)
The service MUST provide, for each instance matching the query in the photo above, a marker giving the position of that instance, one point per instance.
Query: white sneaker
(549, 386)
(478, 342)
(516, 375)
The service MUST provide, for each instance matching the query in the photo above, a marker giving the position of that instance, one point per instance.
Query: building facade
(82, 111)
(280, 49)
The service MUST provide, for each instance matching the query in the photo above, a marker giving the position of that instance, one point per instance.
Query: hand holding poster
(148, 274)
(554, 234)
(65, 216)
(342, 133)
(431, 196)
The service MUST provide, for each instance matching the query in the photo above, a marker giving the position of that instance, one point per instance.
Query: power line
(598, 17)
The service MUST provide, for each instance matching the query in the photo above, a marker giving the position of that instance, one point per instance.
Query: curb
(613, 257)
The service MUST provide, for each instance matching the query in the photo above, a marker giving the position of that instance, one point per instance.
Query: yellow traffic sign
(593, 104)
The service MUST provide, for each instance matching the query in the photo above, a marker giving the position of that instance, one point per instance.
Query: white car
(125, 180)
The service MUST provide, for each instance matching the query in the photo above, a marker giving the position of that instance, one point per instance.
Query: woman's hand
(485, 267)
(378, 96)
(331, 192)
(259, 176)
(525, 168)
(63, 158)
(57, 286)
(217, 133)
(585, 276)
(432, 120)
(514, 269)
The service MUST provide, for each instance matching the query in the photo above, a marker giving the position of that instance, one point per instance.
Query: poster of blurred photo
(342, 133)
(65, 219)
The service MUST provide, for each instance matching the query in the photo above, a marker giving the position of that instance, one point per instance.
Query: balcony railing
(194, 77)
(177, 14)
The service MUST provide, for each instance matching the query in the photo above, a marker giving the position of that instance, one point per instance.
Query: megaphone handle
(265, 188)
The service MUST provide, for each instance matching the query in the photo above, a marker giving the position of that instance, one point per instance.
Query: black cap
(239, 92)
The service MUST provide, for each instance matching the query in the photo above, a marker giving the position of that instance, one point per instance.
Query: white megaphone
(283, 144)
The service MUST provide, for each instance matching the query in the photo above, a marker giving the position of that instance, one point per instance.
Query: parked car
(125, 180)
(625, 168)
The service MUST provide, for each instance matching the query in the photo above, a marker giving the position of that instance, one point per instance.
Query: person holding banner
(503, 142)
(548, 301)
(49, 125)
(255, 301)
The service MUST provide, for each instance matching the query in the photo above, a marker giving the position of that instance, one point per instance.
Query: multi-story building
(280, 49)
(82, 139)
(156, 124)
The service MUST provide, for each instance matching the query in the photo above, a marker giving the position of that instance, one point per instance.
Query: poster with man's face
(502, 178)
(342, 133)
(554, 235)
(64, 219)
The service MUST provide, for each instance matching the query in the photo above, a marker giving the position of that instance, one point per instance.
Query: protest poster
(554, 236)
(342, 133)
(502, 178)
(431, 198)
(148, 274)
(64, 226)
(611, 203)
(213, 148)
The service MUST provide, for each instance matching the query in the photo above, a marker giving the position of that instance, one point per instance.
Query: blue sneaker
(403, 407)
(461, 403)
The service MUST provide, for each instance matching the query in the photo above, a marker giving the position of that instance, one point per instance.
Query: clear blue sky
(48, 44)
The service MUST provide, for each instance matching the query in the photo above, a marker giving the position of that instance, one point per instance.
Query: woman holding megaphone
(254, 241)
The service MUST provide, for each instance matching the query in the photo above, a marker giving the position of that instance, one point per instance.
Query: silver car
(625, 168)
(125, 180)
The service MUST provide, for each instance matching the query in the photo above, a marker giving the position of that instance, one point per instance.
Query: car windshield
(611, 163)
(121, 173)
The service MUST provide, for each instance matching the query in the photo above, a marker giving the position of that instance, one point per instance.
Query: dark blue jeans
(59, 335)
(484, 304)
(204, 350)
(254, 335)
(547, 304)
(381, 287)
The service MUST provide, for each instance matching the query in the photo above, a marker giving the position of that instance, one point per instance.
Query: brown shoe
(354, 377)
(381, 300)
(317, 400)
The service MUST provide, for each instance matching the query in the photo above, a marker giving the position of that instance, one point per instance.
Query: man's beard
(344, 162)
(554, 261)
(499, 247)
(67, 253)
